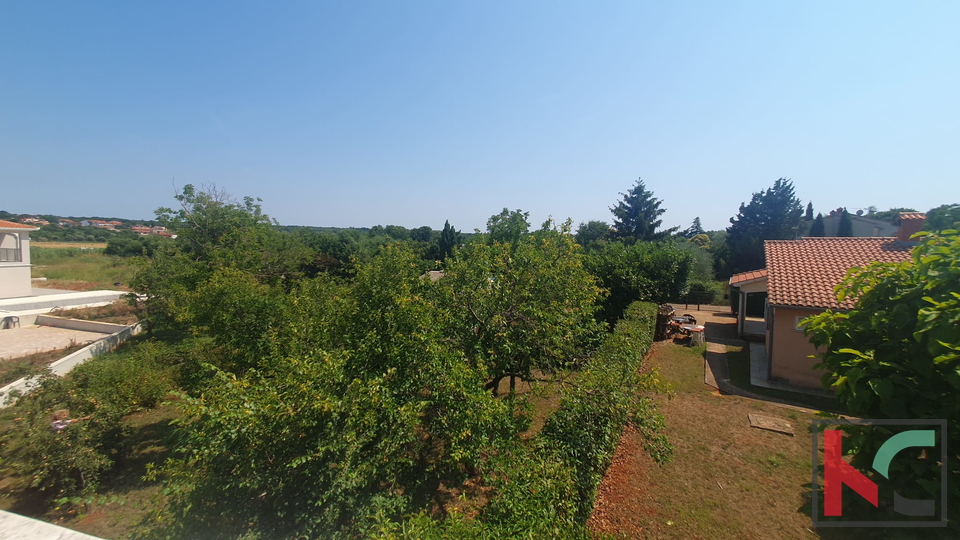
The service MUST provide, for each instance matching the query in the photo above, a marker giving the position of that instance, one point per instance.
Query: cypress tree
(846, 224)
(817, 229)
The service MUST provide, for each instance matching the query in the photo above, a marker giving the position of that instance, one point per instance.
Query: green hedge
(586, 429)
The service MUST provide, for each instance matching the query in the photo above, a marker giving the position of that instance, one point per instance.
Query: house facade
(799, 279)
(15, 259)
(862, 226)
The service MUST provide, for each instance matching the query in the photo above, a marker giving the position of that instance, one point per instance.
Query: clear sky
(409, 113)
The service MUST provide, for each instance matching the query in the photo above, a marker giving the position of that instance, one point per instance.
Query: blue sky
(409, 113)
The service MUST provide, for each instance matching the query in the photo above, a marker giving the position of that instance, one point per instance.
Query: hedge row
(548, 488)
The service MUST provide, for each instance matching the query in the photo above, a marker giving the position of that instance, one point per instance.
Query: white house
(15, 259)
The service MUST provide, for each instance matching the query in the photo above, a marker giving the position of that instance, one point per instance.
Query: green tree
(887, 215)
(449, 239)
(516, 308)
(943, 217)
(421, 234)
(772, 214)
(845, 229)
(896, 354)
(637, 216)
(694, 229)
(507, 227)
(653, 272)
(818, 229)
(592, 232)
(808, 216)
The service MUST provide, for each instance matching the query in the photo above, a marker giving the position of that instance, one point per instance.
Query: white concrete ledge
(78, 324)
(17, 527)
(63, 366)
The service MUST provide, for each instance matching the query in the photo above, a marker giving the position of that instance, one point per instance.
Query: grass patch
(68, 267)
(726, 479)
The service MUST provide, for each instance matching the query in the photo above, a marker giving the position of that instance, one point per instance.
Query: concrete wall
(14, 280)
(77, 324)
(790, 354)
(63, 366)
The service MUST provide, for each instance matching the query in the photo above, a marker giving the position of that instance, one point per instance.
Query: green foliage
(72, 461)
(637, 216)
(943, 217)
(586, 429)
(518, 307)
(313, 443)
(808, 215)
(897, 353)
(642, 271)
(695, 228)
(507, 227)
(772, 214)
(132, 245)
(845, 228)
(592, 233)
(818, 229)
(887, 215)
(450, 238)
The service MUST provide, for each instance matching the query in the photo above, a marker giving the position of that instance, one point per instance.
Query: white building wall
(14, 280)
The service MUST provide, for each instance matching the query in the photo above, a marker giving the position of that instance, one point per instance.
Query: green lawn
(79, 268)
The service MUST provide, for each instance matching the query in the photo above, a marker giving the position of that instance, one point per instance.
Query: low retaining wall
(77, 324)
(63, 366)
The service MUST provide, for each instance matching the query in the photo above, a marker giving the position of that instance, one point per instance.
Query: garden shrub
(586, 429)
(643, 271)
(70, 462)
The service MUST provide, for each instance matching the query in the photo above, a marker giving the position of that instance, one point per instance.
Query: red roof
(804, 272)
(912, 215)
(748, 276)
(11, 225)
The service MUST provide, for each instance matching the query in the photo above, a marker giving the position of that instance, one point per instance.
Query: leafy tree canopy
(943, 217)
(897, 353)
(887, 215)
(592, 232)
(637, 216)
(772, 214)
(507, 227)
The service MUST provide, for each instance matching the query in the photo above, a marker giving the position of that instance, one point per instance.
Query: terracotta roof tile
(12, 225)
(804, 272)
(748, 276)
(912, 215)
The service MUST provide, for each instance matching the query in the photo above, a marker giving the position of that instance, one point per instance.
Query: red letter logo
(837, 472)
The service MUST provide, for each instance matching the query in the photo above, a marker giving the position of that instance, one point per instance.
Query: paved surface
(17, 342)
(16, 527)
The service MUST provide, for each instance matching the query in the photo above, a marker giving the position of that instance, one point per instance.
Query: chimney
(910, 223)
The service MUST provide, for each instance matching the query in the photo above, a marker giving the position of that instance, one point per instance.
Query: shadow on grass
(738, 365)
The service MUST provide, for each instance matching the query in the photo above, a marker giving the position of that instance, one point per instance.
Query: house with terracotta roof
(799, 280)
(15, 259)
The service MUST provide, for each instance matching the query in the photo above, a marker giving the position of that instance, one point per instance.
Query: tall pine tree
(637, 216)
(809, 215)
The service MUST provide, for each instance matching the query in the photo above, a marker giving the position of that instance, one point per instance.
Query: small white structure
(15, 259)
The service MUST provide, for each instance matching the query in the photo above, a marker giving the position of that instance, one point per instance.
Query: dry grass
(91, 245)
(119, 312)
(15, 368)
(726, 479)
